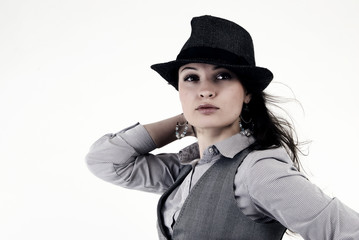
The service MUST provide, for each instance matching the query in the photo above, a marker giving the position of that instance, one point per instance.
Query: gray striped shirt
(267, 185)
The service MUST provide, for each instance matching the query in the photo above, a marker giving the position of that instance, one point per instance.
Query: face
(211, 96)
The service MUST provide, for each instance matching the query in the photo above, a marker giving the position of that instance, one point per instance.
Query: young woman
(241, 180)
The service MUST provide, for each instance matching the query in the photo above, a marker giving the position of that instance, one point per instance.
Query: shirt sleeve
(124, 159)
(278, 190)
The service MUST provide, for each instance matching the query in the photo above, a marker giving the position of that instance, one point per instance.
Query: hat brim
(254, 79)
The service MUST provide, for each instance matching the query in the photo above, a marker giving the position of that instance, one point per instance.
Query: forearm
(163, 132)
(124, 159)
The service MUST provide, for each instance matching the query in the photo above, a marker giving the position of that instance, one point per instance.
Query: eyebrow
(192, 68)
(217, 67)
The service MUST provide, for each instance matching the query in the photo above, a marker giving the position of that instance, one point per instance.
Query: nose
(207, 91)
(206, 94)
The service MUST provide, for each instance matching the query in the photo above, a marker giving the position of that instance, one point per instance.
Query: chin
(212, 124)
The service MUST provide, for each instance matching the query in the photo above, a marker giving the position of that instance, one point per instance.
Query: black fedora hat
(219, 42)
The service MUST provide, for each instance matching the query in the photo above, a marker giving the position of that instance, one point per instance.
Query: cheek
(184, 99)
(234, 110)
(236, 98)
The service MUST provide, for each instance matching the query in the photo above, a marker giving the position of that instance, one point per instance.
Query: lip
(207, 108)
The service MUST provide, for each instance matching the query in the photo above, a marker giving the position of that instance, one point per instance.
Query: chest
(209, 210)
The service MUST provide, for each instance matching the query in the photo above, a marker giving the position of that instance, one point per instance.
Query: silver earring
(245, 132)
(183, 134)
(248, 131)
(245, 111)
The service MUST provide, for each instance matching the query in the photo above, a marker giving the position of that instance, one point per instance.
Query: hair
(269, 130)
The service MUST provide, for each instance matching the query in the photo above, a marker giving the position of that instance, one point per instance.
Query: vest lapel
(184, 172)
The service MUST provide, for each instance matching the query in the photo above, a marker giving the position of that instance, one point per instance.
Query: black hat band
(212, 54)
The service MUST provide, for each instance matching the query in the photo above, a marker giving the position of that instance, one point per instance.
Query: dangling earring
(183, 134)
(245, 111)
(245, 131)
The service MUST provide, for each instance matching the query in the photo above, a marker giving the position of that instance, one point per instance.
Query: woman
(241, 180)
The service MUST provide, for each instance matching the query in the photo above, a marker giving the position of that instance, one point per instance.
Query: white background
(73, 70)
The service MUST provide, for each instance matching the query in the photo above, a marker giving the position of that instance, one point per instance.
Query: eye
(191, 78)
(223, 76)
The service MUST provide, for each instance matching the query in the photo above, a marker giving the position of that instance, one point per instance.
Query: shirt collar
(228, 147)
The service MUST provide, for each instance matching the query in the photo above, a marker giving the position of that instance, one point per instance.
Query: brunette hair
(269, 130)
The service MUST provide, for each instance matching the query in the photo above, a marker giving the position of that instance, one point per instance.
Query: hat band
(212, 55)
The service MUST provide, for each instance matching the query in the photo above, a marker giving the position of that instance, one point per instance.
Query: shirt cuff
(138, 138)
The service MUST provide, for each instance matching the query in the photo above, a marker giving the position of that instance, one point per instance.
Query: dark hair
(269, 130)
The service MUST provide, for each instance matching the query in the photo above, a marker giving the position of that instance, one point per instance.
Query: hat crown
(219, 42)
(210, 32)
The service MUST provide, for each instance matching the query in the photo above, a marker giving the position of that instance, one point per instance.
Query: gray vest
(211, 211)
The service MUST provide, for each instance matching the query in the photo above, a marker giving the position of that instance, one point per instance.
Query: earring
(248, 130)
(183, 134)
(245, 111)
(245, 132)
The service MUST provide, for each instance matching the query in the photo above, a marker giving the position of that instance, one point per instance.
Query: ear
(247, 98)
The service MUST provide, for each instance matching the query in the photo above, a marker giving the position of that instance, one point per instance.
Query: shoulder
(264, 166)
(267, 157)
(275, 154)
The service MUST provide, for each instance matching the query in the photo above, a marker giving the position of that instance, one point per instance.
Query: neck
(210, 136)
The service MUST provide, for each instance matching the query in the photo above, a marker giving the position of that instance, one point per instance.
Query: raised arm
(124, 158)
